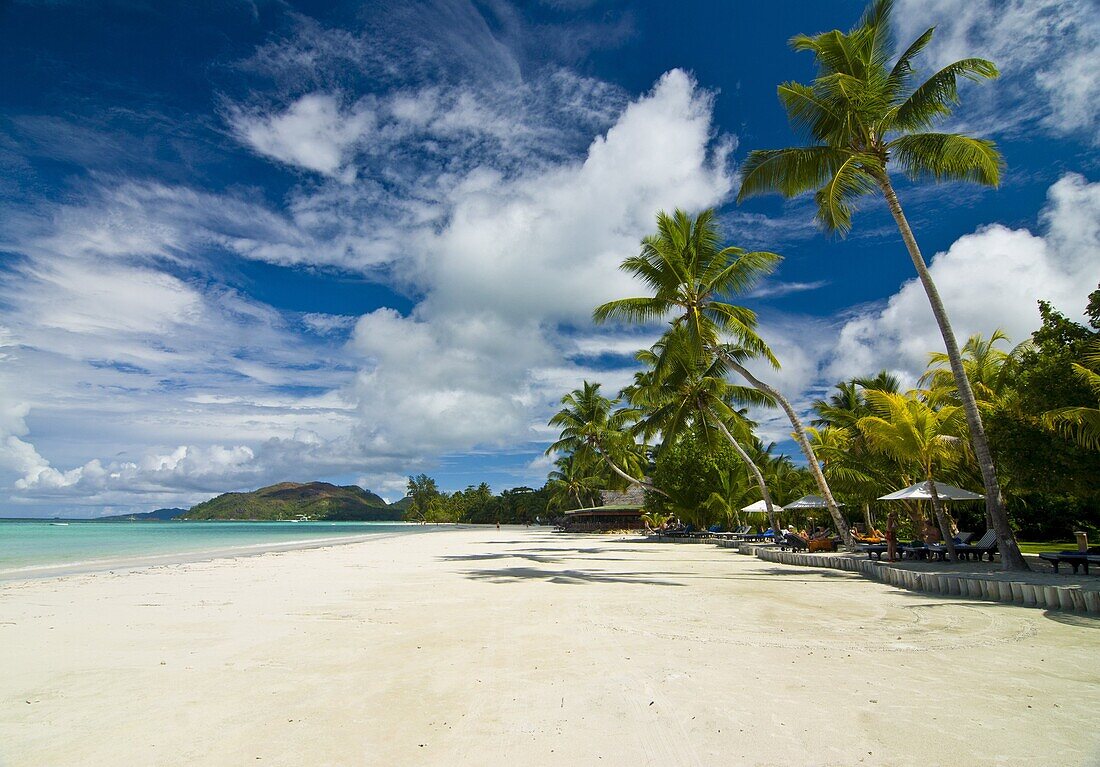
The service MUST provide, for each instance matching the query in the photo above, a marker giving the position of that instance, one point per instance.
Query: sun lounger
(987, 544)
(734, 534)
(939, 550)
(822, 544)
(794, 543)
(913, 550)
(1074, 559)
(873, 550)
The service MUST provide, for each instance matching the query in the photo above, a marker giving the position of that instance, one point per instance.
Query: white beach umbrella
(922, 492)
(758, 508)
(808, 502)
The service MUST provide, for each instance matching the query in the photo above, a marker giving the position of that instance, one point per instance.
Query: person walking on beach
(892, 536)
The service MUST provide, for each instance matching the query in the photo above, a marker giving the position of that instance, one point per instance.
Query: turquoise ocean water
(27, 548)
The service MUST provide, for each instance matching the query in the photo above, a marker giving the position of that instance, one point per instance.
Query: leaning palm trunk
(632, 480)
(773, 520)
(941, 520)
(807, 449)
(1011, 558)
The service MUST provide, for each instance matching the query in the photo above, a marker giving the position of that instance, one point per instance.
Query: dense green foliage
(1052, 483)
(288, 501)
(475, 505)
(689, 471)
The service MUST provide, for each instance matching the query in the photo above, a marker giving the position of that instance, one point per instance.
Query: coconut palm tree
(909, 430)
(573, 484)
(592, 426)
(865, 116)
(690, 274)
(785, 480)
(847, 461)
(691, 277)
(735, 489)
(989, 370)
(687, 389)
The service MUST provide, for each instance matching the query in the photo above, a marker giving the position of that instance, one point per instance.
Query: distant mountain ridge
(291, 500)
(160, 515)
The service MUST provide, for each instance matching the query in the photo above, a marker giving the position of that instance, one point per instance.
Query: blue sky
(251, 242)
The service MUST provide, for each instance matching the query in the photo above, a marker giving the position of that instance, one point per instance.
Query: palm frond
(742, 273)
(641, 309)
(903, 67)
(1081, 424)
(934, 97)
(948, 157)
(808, 112)
(835, 200)
(789, 171)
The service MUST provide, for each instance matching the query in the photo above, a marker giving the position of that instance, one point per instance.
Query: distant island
(159, 515)
(293, 501)
(286, 501)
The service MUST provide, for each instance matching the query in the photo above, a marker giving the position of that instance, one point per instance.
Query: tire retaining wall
(1072, 598)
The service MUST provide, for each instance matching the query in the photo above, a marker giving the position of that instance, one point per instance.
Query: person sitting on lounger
(930, 533)
(872, 537)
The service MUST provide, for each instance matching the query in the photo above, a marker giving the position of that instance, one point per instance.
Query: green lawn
(1033, 547)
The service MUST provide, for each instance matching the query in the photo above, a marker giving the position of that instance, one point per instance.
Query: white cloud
(315, 132)
(776, 288)
(989, 279)
(1048, 51)
(121, 343)
(518, 258)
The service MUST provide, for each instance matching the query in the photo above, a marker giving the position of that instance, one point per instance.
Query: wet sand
(519, 646)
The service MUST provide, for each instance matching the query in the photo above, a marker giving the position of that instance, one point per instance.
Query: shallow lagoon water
(29, 547)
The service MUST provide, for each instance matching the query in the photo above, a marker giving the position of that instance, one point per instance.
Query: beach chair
(913, 550)
(873, 550)
(1074, 559)
(987, 544)
(939, 550)
(794, 543)
(822, 544)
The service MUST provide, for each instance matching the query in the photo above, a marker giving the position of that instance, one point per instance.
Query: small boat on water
(60, 524)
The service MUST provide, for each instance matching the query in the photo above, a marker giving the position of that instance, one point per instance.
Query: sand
(522, 647)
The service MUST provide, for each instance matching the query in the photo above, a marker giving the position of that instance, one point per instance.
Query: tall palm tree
(912, 432)
(592, 426)
(690, 274)
(691, 277)
(846, 459)
(688, 390)
(989, 369)
(865, 116)
(734, 490)
(573, 484)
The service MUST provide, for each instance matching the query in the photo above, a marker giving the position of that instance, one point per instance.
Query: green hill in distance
(290, 500)
(159, 515)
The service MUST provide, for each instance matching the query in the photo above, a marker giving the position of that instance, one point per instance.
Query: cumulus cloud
(989, 279)
(1047, 50)
(519, 259)
(208, 389)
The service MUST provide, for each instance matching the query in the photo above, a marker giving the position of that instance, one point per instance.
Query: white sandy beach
(521, 647)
